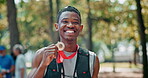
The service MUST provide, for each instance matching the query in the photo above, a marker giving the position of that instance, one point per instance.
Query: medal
(61, 55)
(60, 46)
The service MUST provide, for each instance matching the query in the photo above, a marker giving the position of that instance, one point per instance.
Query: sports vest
(82, 70)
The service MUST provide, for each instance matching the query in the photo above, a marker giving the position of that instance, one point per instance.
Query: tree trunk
(143, 38)
(12, 23)
(89, 23)
(58, 5)
(51, 20)
(135, 55)
(53, 34)
(58, 8)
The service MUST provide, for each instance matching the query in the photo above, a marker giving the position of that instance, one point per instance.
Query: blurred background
(116, 30)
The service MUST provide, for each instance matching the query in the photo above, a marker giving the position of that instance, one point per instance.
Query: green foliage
(112, 21)
(2, 1)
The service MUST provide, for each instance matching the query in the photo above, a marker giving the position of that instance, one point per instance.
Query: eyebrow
(64, 18)
(73, 19)
(76, 19)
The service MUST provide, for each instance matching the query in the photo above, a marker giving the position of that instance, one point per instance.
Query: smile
(69, 31)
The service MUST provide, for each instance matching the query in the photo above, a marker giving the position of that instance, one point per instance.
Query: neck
(70, 46)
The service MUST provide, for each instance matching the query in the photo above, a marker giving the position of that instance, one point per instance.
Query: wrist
(42, 66)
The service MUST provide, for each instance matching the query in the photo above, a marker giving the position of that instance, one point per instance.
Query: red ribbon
(62, 56)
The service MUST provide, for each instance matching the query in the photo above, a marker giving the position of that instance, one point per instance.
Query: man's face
(2, 52)
(69, 26)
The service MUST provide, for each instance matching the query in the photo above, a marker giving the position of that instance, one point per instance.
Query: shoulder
(38, 57)
(38, 52)
(21, 56)
(83, 51)
(86, 52)
(92, 53)
(9, 56)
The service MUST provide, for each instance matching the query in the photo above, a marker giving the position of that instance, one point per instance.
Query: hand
(49, 53)
(3, 72)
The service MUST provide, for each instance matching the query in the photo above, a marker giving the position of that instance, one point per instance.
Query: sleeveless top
(80, 66)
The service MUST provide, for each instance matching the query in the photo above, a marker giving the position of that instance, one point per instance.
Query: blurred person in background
(20, 67)
(6, 64)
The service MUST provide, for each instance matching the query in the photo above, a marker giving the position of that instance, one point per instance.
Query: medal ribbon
(62, 56)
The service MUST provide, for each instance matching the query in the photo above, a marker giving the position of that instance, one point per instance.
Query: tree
(89, 23)
(57, 8)
(51, 19)
(142, 38)
(12, 23)
(53, 34)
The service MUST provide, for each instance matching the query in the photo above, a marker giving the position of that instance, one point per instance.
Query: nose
(70, 25)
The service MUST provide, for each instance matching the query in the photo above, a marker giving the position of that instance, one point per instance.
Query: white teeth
(70, 31)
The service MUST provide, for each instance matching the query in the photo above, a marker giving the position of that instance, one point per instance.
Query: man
(84, 64)
(20, 67)
(6, 63)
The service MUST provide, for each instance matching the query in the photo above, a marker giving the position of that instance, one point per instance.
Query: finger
(51, 50)
(48, 60)
(54, 56)
(51, 57)
(49, 53)
(52, 47)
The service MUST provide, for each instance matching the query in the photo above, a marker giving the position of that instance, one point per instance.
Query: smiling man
(80, 63)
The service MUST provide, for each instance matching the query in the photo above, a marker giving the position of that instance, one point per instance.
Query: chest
(5, 62)
(75, 68)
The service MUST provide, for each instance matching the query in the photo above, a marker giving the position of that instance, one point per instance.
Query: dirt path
(106, 72)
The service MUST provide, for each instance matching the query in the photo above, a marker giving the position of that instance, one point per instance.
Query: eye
(75, 23)
(65, 21)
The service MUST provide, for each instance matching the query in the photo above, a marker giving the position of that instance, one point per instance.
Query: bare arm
(22, 72)
(96, 68)
(35, 65)
(41, 60)
(12, 68)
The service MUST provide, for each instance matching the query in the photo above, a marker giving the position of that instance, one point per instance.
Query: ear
(81, 28)
(56, 27)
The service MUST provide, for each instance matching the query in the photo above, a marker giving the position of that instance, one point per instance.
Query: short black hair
(70, 9)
